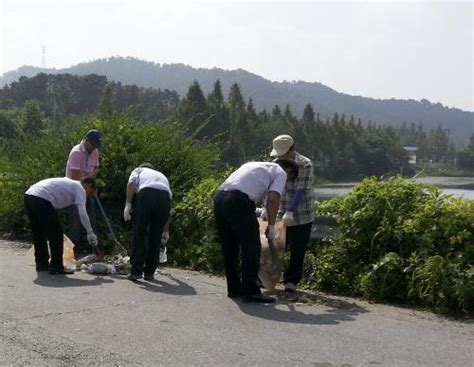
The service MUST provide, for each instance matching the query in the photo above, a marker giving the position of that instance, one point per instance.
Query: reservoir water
(456, 186)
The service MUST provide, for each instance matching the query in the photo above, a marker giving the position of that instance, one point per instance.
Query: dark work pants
(238, 233)
(151, 212)
(297, 238)
(46, 227)
(76, 232)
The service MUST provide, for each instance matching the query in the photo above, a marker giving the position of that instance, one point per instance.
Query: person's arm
(131, 188)
(76, 174)
(95, 172)
(297, 199)
(273, 203)
(85, 221)
(304, 184)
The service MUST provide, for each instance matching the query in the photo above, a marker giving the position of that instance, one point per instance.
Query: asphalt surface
(184, 318)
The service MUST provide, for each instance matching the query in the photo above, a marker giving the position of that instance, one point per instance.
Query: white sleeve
(279, 182)
(86, 223)
(134, 176)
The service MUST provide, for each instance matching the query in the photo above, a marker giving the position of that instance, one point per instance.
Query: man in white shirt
(41, 202)
(150, 216)
(237, 225)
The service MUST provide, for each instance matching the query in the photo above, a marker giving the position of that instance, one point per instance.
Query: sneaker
(134, 277)
(290, 287)
(258, 298)
(149, 277)
(53, 271)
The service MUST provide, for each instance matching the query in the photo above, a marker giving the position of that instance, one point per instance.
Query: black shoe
(134, 277)
(233, 294)
(258, 298)
(53, 271)
(42, 267)
(149, 277)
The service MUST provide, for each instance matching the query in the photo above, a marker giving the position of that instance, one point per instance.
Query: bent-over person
(237, 224)
(42, 200)
(150, 215)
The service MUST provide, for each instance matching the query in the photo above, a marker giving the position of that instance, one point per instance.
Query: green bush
(193, 240)
(400, 241)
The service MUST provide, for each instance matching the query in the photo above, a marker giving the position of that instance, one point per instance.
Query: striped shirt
(305, 211)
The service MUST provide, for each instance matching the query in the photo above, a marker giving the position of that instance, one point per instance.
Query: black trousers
(297, 238)
(46, 227)
(151, 212)
(239, 234)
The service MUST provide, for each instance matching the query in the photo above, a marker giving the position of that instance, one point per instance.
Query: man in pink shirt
(83, 162)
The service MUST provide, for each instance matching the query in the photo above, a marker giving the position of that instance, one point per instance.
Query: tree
(215, 98)
(106, 106)
(32, 119)
(9, 128)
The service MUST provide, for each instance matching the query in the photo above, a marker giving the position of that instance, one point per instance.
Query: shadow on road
(285, 309)
(61, 281)
(180, 288)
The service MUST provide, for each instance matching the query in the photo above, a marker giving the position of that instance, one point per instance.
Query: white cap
(281, 145)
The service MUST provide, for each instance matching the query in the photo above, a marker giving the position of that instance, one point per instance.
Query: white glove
(92, 239)
(165, 237)
(163, 255)
(127, 212)
(271, 232)
(288, 218)
(263, 215)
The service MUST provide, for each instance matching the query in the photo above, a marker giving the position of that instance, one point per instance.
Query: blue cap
(95, 137)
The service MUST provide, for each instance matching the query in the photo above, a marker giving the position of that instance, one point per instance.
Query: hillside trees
(347, 149)
(63, 95)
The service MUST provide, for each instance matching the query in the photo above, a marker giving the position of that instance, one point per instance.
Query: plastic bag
(69, 261)
(271, 257)
(99, 268)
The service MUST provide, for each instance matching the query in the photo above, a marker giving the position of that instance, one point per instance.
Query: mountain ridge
(266, 94)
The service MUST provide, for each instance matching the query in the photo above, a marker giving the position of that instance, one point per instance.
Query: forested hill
(266, 94)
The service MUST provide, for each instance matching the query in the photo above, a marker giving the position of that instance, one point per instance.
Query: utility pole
(43, 57)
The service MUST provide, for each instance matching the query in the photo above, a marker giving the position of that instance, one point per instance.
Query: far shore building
(411, 151)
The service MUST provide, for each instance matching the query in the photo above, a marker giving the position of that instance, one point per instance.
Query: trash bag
(69, 261)
(99, 268)
(271, 257)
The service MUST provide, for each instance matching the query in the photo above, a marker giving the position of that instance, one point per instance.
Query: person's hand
(92, 239)
(264, 215)
(288, 218)
(127, 212)
(165, 237)
(271, 232)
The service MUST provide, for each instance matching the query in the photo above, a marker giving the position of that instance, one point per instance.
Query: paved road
(184, 318)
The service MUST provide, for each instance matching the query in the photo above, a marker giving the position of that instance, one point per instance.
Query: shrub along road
(184, 318)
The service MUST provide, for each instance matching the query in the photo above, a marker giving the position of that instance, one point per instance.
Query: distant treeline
(340, 146)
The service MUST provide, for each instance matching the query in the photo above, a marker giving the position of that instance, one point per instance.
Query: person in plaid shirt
(296, 209)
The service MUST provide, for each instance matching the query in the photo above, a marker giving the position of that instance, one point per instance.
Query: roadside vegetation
(397, 241)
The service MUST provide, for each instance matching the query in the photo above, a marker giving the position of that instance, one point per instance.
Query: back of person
(255, 179)
(61, 192)
(145, 177)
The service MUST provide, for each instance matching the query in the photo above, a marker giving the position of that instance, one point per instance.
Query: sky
(379, 49)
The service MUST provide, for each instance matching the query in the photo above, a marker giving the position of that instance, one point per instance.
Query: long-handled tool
(122, 249)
